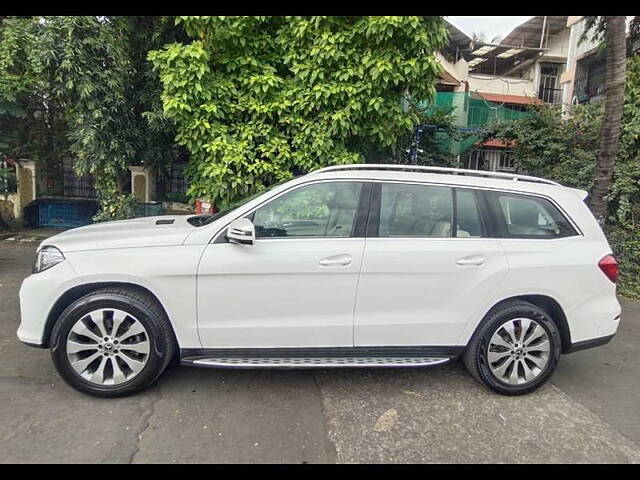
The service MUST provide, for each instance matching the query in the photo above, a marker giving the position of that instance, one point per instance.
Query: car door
(427, 265)
(546, 251)
(295, 286)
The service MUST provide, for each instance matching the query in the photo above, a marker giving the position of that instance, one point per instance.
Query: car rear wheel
(112, 342)
(515, 349)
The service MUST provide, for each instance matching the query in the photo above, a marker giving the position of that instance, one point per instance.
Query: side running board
(319, 357)
(315, 362)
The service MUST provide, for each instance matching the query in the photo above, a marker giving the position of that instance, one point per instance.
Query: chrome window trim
(215, 237)
(495, 189)
(220, 232)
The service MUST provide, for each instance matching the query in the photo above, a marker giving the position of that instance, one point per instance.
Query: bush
(625, 244)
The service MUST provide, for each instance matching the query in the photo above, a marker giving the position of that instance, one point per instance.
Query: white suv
(348, 266)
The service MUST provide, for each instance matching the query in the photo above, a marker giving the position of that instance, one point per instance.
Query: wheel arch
(74, 293)
(549, 305)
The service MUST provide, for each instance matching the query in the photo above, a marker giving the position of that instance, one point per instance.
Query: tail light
(609, 267)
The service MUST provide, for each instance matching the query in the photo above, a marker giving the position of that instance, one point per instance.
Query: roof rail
(420, 168)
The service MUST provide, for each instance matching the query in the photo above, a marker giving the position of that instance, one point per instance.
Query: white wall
(459, 70)
(576, 50)
(558, 45)
(503, 85)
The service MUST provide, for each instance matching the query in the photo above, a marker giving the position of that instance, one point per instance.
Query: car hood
(159, 231)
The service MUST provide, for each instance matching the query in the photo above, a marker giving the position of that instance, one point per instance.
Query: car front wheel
(112, 342)
(515, 350)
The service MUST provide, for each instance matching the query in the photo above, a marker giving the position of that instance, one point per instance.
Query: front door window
(319, 210)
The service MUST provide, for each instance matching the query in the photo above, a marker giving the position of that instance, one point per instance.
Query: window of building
(492, 159)
(548, 89)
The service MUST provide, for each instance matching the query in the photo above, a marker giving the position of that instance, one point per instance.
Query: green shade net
(472, 114)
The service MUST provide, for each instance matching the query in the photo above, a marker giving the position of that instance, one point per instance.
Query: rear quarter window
(526, 216)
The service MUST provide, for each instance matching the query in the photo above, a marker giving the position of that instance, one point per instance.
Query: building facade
(501, 81)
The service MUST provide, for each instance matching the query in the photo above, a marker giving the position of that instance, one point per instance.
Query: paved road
(587, 414)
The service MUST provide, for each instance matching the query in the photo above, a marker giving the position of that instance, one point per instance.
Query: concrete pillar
(26, 182)
(143, 184)
(12, 206)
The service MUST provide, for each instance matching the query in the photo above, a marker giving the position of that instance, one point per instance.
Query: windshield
(239, 203)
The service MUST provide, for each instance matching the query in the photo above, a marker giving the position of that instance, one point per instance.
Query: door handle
(336, 261)
(475, 260)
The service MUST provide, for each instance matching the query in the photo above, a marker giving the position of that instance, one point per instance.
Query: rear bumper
(594, 318)
(594, 342)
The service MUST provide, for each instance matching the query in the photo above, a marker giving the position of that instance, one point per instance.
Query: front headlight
(47, 257)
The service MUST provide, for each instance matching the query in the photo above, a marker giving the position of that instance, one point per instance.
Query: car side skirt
(320, 357)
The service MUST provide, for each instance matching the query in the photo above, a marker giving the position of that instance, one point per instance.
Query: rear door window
(410, 210)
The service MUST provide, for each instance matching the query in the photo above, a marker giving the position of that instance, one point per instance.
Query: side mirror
(241, 231)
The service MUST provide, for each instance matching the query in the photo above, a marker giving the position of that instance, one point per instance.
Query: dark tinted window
(524, 216)
(467, 214)
(319, 210)
(415, 211)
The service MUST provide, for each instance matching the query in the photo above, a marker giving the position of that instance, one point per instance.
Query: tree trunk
(613, 107)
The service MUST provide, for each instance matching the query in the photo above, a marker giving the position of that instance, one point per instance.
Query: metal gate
(75, 185)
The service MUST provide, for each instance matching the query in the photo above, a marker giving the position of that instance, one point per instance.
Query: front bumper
(38, 294)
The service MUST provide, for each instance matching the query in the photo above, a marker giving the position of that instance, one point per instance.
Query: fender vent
(165, 221)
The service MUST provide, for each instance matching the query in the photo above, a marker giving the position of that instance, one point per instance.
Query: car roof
(465, 178)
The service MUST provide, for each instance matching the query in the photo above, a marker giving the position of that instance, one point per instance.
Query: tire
(138, 348)
(486, 357)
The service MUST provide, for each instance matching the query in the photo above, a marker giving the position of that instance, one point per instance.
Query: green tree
(613, 109)
(554, 146)
(625, 189)
(32, 116)
(257, 99)
(86, 82)
(564, 148)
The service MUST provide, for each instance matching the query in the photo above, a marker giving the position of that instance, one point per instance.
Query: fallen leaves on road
(386, 421)
(409, 392)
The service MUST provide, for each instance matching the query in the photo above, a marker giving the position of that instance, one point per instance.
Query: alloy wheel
(108, 346)
(518, 351)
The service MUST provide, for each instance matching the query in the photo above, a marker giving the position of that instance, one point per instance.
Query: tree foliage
(553, 146)
(441, 132)
(564, 147)
(88, 89)
(32, 118)
(257, 99)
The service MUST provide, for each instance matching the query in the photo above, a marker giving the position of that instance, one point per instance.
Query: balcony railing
(550, 95)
